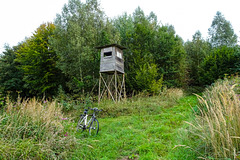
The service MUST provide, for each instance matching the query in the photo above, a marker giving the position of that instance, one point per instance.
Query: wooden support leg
(116, 88)
(99, 89)
(124, 89)
(114, 85)
(109, 91)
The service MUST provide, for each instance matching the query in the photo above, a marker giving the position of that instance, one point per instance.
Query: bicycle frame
(92, 123)
(86, 122)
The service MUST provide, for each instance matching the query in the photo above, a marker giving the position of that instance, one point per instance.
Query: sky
(20, 18)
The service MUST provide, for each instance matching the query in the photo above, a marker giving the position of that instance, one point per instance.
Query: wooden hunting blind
(111, 58)
(112, 72)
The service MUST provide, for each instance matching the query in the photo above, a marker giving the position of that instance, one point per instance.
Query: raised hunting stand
(111, 79)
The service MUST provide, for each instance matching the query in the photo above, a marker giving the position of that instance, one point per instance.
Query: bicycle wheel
(94, 127)
(80, 124)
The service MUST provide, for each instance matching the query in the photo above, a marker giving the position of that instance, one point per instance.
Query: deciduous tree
(221, 32)
(79, 29)
(38, 62)
(149, 44)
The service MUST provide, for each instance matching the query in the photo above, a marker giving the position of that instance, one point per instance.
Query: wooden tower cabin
(111, 80)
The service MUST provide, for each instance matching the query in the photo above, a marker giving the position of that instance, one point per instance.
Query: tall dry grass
(33, 129)
(172, 94)
(142, 104)
(46, 112)
(218, 123)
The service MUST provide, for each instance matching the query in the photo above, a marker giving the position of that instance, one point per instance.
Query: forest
(61, 56)
(59, 66)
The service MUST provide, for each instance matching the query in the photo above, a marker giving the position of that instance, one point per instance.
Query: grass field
(171, 126)
(149, 128)
(138, 128)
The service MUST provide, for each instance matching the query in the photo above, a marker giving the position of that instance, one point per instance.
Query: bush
(2, 100)
(147, 79)
(221, 61)
(218, 122)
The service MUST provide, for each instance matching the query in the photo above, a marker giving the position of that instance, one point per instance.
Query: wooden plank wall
(111, 63)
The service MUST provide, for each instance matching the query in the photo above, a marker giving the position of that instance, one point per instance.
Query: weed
(33, 129)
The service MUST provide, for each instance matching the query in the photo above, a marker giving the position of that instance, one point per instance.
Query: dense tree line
(61, 56)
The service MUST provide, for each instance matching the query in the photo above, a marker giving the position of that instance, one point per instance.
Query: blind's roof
(112, 45)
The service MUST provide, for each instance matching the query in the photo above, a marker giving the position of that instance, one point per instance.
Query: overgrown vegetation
(60, 62)
(142, 127)
(62, 55)
(217, 122)
(34, 129)
(139, 128)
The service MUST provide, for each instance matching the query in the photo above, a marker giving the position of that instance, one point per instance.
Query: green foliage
(2, 100)
(221, 32)
(136, 34)
(10, 76)
(146, 78)
(218, 63)
(64, 54)
(196, 50)
(206, 64)
(38, 63)
(79, 29)
(156, 86)
(72, 104)
(149, 44)
(170, 56)
(33, 129)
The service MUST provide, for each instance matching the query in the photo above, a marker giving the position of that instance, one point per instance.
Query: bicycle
(93, 123)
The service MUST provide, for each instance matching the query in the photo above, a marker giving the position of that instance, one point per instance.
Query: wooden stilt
(124, 88)
(116, 89)
(108, 90)
(112, 84)
(99, 88)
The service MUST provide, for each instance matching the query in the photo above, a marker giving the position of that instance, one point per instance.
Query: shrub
(2, 100)
(220, 61)
(218, 122)
(147, 79)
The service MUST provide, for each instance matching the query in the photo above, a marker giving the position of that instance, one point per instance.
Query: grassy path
(151, 135)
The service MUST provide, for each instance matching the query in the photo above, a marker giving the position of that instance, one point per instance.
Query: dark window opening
(107, 54)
